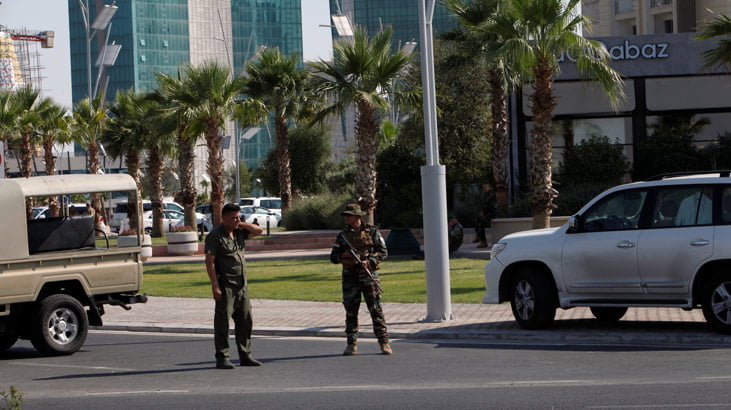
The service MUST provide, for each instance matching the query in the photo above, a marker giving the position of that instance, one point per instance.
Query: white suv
(662, 242)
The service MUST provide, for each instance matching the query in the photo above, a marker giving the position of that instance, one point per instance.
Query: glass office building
(401, 15)
(158, 36)
(153, 36)
(256, 24)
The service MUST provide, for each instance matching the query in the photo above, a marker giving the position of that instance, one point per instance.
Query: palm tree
(8, 114)
(178, 103)
(281, 85)
(218, 97)
(363, 73)
(53, 128)
(125, 135)
(534, 32)
(477, 43)
(87, 127)
(29, 105)
(721, 55)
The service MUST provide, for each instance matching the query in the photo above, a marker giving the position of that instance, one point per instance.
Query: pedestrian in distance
(487, 209)
(360, 248)
(455, 233)
(226, 269)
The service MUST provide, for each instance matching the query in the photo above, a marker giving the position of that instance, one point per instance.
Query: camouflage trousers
(235, 304)
(353, 286)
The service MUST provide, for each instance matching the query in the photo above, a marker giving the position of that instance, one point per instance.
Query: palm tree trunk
(285, 174)
(215, 170)
(366, 129)
(186, 157)
(96, 200)
(542, 103)
(132, 159)
(53, 207)
(25, 155)
(500, 122)
(154, 167)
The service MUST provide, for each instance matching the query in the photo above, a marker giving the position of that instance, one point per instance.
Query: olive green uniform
(234, 303)
(369, 245)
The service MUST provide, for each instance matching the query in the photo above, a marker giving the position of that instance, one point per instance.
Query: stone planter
(182, 243)
(131, 240)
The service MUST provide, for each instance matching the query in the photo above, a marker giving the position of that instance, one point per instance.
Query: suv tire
(7, 341)
(59, 326)
(533, 300)
(716, 302)
(608, 314)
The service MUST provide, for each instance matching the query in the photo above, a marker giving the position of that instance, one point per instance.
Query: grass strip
(403, 280)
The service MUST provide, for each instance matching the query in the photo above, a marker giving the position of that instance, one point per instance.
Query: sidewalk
(660, 327)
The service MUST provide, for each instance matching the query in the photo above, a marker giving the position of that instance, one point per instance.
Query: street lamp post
(433, 184)
(103, 17)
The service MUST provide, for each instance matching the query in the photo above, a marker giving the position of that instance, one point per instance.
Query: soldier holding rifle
(360, 248)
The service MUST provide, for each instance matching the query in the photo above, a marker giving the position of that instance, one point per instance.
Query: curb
(683, 340)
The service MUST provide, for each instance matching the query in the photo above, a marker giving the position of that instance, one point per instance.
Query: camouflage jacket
(367, 243)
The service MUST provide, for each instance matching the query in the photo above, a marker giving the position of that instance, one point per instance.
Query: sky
(44, 15)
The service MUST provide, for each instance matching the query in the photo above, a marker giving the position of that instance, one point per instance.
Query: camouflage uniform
(369, 245)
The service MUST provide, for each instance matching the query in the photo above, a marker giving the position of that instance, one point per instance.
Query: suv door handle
(625, 244)
(700, 242)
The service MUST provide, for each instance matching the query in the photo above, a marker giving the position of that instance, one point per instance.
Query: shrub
(594, 161)
(320, 212)
(13, 399)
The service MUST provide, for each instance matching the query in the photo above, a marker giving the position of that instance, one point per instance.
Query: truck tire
(533, 300)
(59, 326)
(7, 341)
(716, 302)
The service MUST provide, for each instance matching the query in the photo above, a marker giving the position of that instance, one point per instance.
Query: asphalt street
(117, 370)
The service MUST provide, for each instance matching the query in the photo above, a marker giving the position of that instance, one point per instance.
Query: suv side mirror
(574, 224)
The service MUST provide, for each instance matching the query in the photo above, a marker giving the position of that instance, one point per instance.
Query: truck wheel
(7, 341)
(533, 300)
(59, 325)
(608, 314)
(716, 302)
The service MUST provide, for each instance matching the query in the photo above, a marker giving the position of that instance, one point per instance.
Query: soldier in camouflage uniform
(370, 247)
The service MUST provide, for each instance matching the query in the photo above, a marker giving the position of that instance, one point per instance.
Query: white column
(433, 185)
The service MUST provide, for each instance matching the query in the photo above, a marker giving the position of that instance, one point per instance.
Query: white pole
(433, 185)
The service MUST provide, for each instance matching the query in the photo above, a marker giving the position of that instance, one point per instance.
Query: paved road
(119, 370)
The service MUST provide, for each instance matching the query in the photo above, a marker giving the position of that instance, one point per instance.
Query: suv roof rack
(723, 173)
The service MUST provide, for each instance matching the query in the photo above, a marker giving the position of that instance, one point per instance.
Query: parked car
(259, 215)
(271, 203)
(120, 213)
(173, 218)
(661, 242)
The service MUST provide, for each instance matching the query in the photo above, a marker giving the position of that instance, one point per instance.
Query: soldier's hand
(217, 292)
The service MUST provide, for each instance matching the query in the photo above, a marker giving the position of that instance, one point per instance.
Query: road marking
(662, 406)
(713, 378)
(73, 367)
(125, 393)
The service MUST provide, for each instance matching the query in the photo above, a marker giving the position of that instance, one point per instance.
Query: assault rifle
(375, 285)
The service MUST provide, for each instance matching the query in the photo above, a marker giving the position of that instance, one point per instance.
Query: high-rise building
(159, 36)
(401, 15)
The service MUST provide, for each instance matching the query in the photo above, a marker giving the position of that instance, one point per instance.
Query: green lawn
(403, 280)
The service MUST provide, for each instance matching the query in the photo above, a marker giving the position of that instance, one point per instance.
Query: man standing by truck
(226, 269)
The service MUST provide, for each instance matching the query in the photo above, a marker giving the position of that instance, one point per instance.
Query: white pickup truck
(54, 281)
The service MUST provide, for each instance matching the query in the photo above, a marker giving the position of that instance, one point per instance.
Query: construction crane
(46, 38)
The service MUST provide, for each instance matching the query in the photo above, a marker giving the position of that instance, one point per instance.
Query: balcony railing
(623, 6)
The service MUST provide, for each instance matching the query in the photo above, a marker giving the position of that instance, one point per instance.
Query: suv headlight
(497, 248)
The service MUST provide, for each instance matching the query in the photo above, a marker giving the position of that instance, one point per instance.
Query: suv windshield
(122, 207)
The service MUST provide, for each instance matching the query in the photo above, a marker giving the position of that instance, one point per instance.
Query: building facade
(159, 36)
